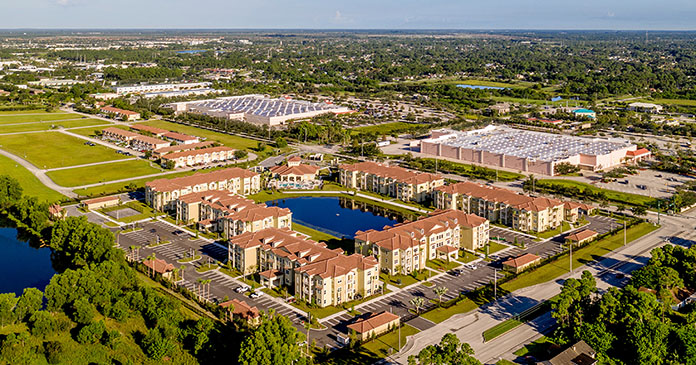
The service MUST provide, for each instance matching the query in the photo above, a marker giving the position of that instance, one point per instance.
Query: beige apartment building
(312, 271)
(498, 205)
(406, 247)
(203, 156)
(389, 180)
(162, 194)
(229, 214)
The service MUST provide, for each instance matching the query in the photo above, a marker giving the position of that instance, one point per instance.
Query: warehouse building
(527, 151)
(257, 109)
(142, 89)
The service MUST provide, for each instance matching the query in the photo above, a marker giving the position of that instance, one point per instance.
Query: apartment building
(161, 194)
(118, 134)
(158, 132)
(389, 180)
(158, 153)
(312, 271)
(145, 143)
(203, 156)
(229, 214)
(181, 138)
(406, 247)
(498, 205)
(121, 113)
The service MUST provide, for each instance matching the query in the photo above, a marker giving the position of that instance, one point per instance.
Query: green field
(612, 195)
(36, 117)
(684, 102)
(387, 128)
(226, 139)
(31, 185)
(55, 149)
(500, 328)
(43, 126)
(89, 132)
(103, 173)
(15, 112)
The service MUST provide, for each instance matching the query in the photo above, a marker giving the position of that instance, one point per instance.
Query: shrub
(91, 333)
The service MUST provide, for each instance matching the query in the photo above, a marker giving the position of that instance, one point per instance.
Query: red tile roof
(199, 178)
(372, 322)
(111, 109)
(242, 309)
(638, 152)
(393, 172)
(522, 260)
(147, 128)
(184, 147)
(301, 169)
(101, 200)
(582, 235)
(160, 266)
(179, 136)
(500, 195)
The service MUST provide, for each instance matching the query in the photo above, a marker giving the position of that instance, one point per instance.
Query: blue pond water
(341, 217)
(467, 86)
(22, 266)
(192, 51)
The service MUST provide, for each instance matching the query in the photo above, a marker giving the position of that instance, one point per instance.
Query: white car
(255, 295)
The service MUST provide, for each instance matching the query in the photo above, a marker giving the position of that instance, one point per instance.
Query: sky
(350, 14)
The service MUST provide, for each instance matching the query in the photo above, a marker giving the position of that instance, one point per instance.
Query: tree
(170, 164)
(91, 333)
(440, 291)
(449, 351)
(280, 142)
(42, 323)
(417, 303)
(83, 311)
(7, 305)
(275, 341)
(76, 242)
(240, 154)
(639, 211)
(155, 345)
(30, 302)
(10, 191)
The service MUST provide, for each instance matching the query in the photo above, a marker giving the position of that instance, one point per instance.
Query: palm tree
(151, 258)
(199, 291)
(417, 303)
(440, 291)
(132, 252)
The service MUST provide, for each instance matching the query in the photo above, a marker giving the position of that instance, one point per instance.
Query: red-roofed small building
(103, 202)
(244, 311)
(581, 237)
(521, 263)
(575, 210)
(374, 325)
(160, 266)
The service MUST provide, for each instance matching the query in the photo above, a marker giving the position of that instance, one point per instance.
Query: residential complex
(161, 194)
(389, 180)
(312, 271)
(158, 153)
(137, 141)
(229, 214)
(406, 247)
(197, 157)
(527, 151)
(294, 171)
(498, 205)
(257, 109)
(120, 113)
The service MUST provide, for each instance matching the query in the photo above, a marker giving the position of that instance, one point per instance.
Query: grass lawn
(30, 117)
(103, 173)
(91, 132)
(30, 184)
(438, 315)
(381, 345)
(317, 312)
(313, 233)
(230, 272)
(581, 257)
(44, 126)
(537, 348)
(55, 149)
(612, 195)
(441, 265)
(466, 256)
(500, 328)
(493, 247)
(685, 102)
(226, 139)
(386, 128)
(406, 280)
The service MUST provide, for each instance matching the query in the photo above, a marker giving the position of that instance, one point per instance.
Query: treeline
(97, 310)
(643, 323)
(142, 73)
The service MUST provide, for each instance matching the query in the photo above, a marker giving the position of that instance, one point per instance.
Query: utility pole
(399, 349)
(495, 283)
(658, 212)
(624, 231)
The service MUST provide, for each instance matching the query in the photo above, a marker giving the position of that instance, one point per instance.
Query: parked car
(255, 295)
(241, 289)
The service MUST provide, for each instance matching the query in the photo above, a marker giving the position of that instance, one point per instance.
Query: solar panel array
(533, 145)
(262, 106)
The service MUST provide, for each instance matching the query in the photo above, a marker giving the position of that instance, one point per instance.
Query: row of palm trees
(419, 302)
